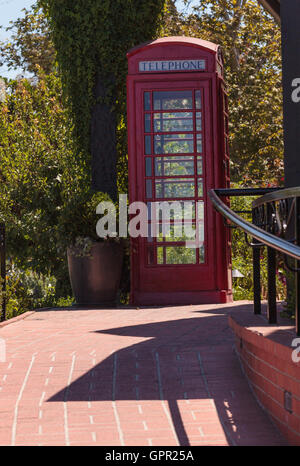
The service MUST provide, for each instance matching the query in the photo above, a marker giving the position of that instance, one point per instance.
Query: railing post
(271, 264)
(256, 273)
(272, 308)
(297, 274)
(3, 270)
(275, 220)
(256, 279)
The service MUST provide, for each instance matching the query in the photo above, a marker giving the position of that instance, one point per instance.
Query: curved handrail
(277, 195)
(262, 236)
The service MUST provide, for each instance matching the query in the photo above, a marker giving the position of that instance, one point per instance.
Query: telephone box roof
(192, 41)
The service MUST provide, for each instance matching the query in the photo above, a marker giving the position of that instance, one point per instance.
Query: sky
(10, 10)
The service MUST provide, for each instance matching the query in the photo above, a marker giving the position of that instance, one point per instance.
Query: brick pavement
(127, 377)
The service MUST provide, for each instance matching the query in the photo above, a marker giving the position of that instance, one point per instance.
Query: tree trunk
(103, 143)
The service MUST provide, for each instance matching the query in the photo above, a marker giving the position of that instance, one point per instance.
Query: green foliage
(241, 255)
(45, 196)
(65, 301)
(26, 290)
(242, 259)
(173, 22)
(250, 40)
(77, 219)
(91, 39)
(45, 199)
(36, 157)
(290, 304)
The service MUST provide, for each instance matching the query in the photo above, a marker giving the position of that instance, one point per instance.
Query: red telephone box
(177, 151)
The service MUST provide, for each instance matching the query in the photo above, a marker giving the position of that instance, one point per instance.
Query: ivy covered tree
(91, 39)
(45, 196)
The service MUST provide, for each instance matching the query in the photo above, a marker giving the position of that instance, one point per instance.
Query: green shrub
(242, 260)
(27, 290)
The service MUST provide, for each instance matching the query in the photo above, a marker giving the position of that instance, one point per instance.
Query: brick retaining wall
(274, 377)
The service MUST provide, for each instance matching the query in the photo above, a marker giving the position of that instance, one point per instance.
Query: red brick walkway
(132, 377)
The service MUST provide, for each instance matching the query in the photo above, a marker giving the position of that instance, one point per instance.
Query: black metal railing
(275, 225)
(2, 271)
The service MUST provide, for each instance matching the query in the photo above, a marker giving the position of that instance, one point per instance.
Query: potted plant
(95, 264)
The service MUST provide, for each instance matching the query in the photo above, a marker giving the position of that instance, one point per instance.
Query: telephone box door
(174, 158)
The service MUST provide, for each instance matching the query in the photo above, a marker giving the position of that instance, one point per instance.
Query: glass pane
(200, 187)
(198, 100)
(149, 237)
(175, 210)
(180, 255)
(201, 255)
(176, 232)
(170, 166)
(199, 143)
(173, 187)
(160, 255)
(199, 166)
(174, 144)
(147, 123)
(200, 210)
(148, 189)
(157, 231)
(201, 231)
(189, 209)
(148, 166)
(149, 208)
(175, 100)
(147, 101)
(181, 121)
(147, 145)
(200, 221)
(198, 121)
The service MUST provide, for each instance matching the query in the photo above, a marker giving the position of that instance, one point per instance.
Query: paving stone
(127, 377)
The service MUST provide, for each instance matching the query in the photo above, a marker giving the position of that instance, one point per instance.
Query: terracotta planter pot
(95, 279)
